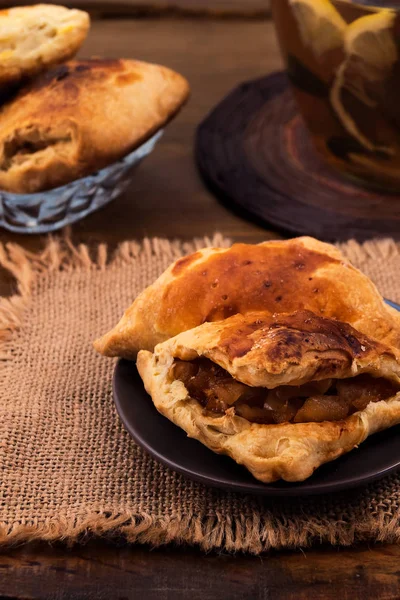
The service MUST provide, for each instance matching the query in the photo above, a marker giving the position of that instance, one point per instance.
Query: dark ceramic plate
(378, 456)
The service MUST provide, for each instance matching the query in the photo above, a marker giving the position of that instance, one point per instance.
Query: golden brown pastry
(82, 116)
(276, 276)
(280, 394)
(33, 38)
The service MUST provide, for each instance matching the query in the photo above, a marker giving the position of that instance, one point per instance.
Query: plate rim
(302, 488)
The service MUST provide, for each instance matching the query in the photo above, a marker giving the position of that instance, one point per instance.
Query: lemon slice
(370, 52)
(320, 25)
(382, 171)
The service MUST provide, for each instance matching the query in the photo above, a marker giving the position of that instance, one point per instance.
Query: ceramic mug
(343, 60)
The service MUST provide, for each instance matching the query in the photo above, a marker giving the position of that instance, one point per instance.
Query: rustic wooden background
(220, 8)
(168, 198)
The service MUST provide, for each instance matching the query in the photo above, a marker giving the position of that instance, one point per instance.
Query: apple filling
(316, 401)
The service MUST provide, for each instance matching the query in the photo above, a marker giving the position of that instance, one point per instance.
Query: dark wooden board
(99, 570)
(255, 151)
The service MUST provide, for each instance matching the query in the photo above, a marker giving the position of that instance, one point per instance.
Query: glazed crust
(289, 451)
(276, 276)
(80, 117)
(263, 350)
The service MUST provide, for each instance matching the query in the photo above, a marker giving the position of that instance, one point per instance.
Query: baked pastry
(280, 394)
(80, 117)
(33, 38)
(276, 276)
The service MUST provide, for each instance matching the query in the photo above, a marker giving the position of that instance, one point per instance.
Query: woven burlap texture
(68, 468)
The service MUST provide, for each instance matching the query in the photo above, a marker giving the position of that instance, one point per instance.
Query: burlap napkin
(68, 468)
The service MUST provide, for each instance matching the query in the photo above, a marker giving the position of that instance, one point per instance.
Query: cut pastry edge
(288, 451)
(272, 450)
(32, 142)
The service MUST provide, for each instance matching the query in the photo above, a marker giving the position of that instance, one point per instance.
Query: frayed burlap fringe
(267, 527)
(244, 534)
(60, 254)
(377, 249)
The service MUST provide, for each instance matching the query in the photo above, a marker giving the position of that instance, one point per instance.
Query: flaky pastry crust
(277, 350)
(276, 277)
(80, 117)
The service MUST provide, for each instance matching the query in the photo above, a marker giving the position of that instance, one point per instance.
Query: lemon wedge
(370, 53)
(320, 25)
(381, 171)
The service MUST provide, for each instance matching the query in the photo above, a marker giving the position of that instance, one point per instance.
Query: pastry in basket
(82, 116)
(33, 38)
(281, 394)
(276, 276)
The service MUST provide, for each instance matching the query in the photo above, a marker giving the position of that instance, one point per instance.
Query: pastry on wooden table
(275, 276)
(280, 394)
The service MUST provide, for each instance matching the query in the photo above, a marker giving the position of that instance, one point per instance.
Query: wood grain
(217, 8)
(99, 570)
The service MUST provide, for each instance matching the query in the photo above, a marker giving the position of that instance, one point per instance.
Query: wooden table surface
(168, 198)
(249, 9)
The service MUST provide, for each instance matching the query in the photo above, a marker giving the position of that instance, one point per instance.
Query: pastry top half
(33, 38)
(281, 394)
(263, 350)
(80, 117)
(275, 277)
